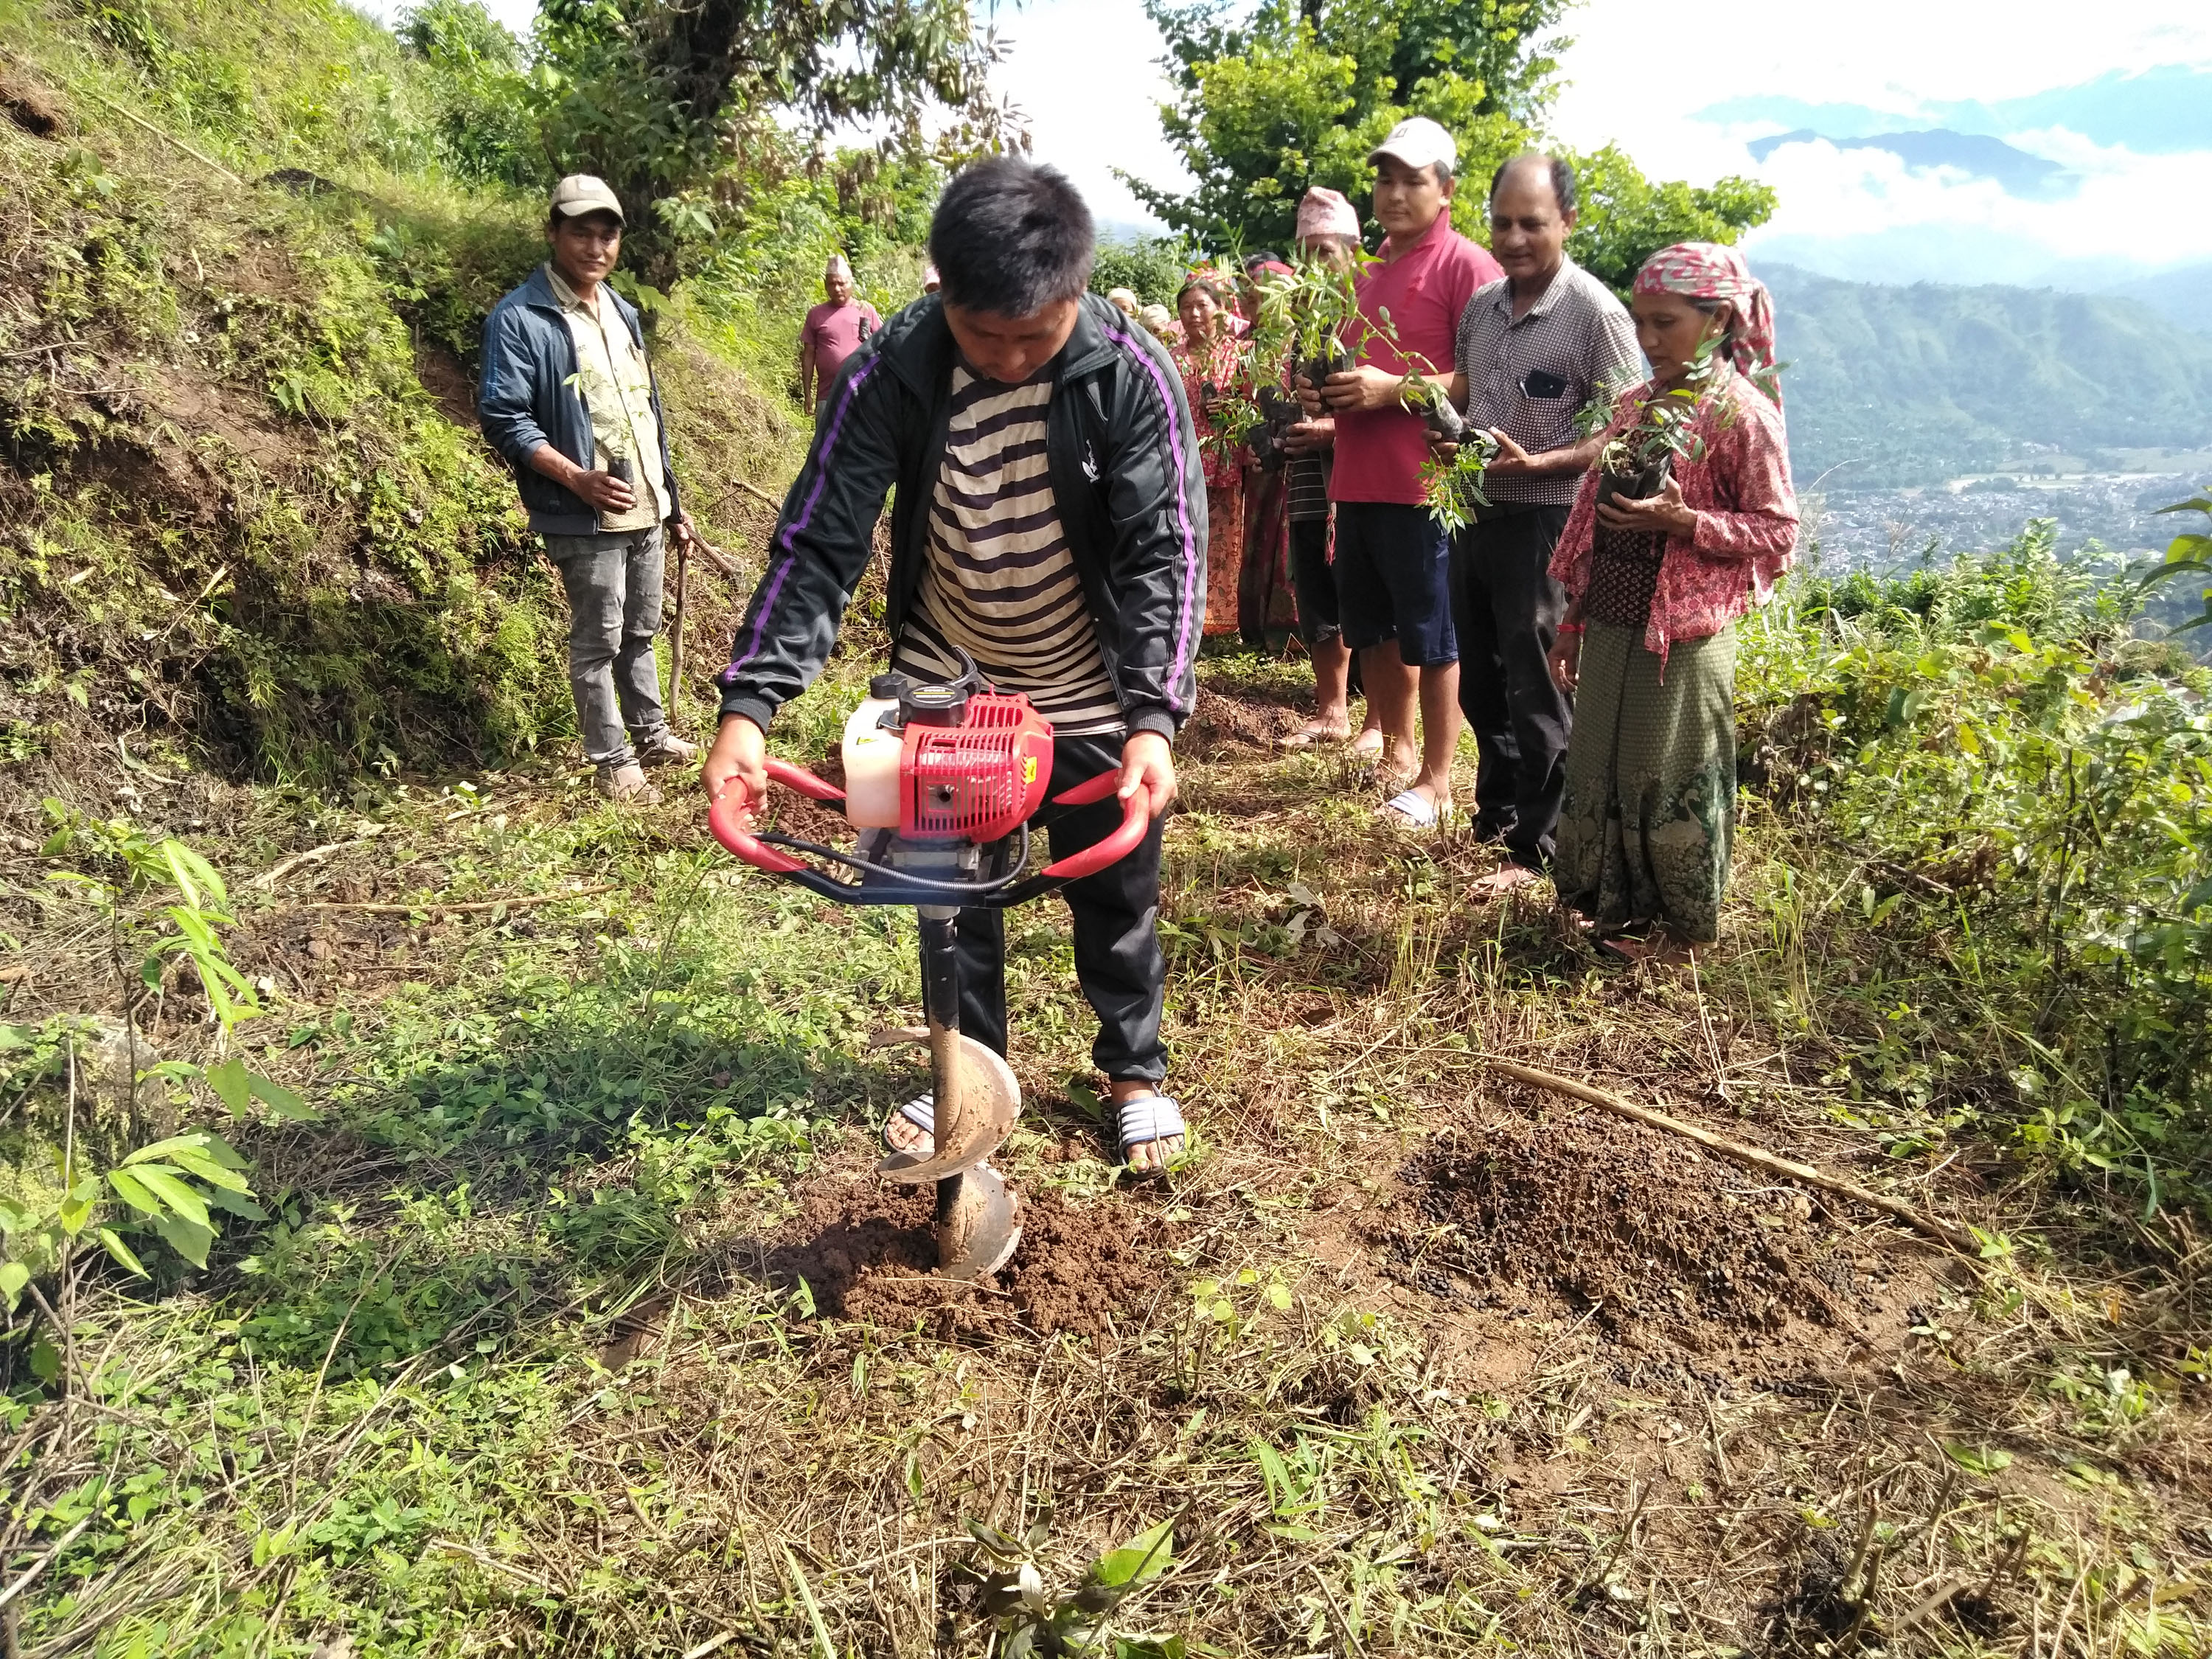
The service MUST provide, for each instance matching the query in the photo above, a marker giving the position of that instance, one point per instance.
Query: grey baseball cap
(579, 192)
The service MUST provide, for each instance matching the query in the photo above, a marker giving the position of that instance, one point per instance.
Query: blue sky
(1685, 101)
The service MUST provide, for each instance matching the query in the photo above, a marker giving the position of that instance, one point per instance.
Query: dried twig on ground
(283, 867)
(521, 901)
(1943, 1232)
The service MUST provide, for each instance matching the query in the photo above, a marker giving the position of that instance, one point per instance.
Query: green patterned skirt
(1650, 814)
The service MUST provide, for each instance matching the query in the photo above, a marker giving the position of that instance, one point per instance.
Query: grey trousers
(614, 611)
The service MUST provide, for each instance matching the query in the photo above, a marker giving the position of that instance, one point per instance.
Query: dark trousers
(1506, 611)
(1118, 962)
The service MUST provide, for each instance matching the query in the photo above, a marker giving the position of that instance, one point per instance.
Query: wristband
(1568, 627)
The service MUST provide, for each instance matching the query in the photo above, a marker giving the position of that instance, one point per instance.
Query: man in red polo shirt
(1393, 562)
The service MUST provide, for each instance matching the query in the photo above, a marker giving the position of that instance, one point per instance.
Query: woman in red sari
(1211, 361)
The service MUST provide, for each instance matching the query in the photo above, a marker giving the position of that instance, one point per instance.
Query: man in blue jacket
(1049, 521)
(568, 398)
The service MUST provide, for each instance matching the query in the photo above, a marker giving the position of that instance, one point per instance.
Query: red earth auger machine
(941, 780)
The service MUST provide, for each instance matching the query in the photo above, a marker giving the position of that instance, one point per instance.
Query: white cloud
(1085, 72)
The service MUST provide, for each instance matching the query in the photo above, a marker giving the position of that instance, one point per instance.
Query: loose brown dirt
(865, 1251)
(1224, 727)
(1646, 1234)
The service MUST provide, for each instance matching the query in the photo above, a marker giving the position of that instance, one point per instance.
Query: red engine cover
(979, 780)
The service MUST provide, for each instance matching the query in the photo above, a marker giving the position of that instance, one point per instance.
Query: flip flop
(1144, 1119)
(1412, 808)
(921, 1112)
(1506, 878)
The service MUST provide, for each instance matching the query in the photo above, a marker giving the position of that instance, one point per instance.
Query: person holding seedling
(1216, 383)
(1684, 526)
(569, 398)
(1533, 351)
(1392, 557)
(1328, 246)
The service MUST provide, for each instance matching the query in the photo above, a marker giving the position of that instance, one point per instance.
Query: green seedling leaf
(238, 1203)
(124, 1256)
(213, 1147)
(135, 1193)
(168, 1184)
(45, 1360)
(194, 1162)
(996, 1543)
(280, 1100)
(231, 1083)
(1146, 1556)
(14, 1276)
(1977, 1460)
(189, 1239)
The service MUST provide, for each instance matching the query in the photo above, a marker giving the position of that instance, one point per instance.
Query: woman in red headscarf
(1655, 583)
(1216, 379)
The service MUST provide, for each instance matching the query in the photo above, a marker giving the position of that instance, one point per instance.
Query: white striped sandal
(922, 1113)
(1146, 1119)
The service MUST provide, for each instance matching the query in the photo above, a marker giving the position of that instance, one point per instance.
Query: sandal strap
(1147, 1118)
(921, 1112)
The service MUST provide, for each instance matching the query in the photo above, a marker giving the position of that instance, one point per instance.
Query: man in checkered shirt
(1532, 351)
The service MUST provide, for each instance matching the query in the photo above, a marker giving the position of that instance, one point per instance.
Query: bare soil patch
(1657, 1243)
(1221, 726)
(865, 1251)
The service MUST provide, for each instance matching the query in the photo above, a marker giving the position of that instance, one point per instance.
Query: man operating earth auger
(1049, 529)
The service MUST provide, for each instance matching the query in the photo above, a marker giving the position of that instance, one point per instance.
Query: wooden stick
(757, 493)
(722, 561)
(676, 635)
(1943, 1232)
(169, 139)
(430, 906)
(277, 871)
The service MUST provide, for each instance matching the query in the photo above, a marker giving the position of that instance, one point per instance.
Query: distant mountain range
(1896, 385)
(2160, 111)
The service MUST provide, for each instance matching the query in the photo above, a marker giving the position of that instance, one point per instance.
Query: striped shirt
(998, 580)
(1530, 376)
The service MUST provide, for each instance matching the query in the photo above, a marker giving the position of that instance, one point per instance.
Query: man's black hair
(1562, 177)
(1264, 256)
(1011, 237)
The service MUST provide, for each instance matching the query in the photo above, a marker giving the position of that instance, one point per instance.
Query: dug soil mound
(1645, 1232)
(1222, 727)
(865, 1251)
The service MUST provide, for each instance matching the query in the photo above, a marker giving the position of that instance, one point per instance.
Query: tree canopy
(659, 97)
(1297, 94)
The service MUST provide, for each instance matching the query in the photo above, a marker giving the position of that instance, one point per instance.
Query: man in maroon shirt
(1392, 562)
(834, 332)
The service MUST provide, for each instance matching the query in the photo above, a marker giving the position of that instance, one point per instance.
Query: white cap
(1419, 143)
(580, 193)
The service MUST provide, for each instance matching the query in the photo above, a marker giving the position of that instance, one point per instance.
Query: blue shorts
(1394, 582)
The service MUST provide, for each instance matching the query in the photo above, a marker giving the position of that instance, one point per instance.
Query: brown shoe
(665, 748)
(626, 785)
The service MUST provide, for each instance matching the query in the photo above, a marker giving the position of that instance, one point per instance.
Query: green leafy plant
(1665, 431)
(1311, 316)
(2188, 555)
(1452, 484)
(174, 1186)
(1034, 1620)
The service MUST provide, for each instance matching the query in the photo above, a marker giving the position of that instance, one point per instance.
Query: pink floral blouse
(1747, 512)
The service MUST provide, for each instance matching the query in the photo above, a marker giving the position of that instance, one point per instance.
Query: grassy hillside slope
(247, 504)
(1914, 384)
